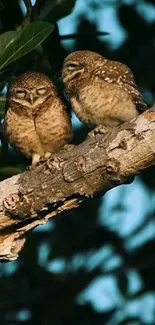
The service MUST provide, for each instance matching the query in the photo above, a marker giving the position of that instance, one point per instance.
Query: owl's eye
(72, 66)
(21, 93)
(41, 91)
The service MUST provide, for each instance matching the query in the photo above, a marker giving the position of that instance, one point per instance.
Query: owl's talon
(47, 155)
(101, 129)
(69, 147)
(35, 160)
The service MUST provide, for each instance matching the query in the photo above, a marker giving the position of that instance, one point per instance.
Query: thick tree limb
(67, 179)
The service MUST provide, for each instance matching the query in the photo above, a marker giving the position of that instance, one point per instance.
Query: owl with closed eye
(37, 123)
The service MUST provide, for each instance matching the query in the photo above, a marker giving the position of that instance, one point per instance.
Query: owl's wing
(119, 73)
(53, 125)
(21, 134)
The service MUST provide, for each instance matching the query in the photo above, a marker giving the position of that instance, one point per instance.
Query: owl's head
(31, 89)
(79, 64)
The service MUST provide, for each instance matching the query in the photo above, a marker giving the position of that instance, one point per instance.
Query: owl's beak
(31, 99)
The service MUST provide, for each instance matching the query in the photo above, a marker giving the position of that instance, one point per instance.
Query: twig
(28, 17)
(82, 35)
(31, 14)
(2, 99)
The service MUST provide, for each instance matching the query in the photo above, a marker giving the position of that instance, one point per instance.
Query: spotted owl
(101, 91)
(36, 123)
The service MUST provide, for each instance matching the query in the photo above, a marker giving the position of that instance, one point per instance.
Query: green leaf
(2, 106)
(23, 41)
(6, 39)
(9, 171)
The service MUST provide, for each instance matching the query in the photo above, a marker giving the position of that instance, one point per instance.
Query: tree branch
(32, 12)
(62, 183)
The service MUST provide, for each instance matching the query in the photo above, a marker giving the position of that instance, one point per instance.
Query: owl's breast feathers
(36, 123)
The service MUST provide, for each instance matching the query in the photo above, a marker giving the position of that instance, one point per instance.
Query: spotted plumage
(101, 91)
(36, 123)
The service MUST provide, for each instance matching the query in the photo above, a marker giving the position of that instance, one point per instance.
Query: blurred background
(94, 265)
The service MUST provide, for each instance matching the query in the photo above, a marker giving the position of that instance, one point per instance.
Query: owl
(37, 123)
(101, 91)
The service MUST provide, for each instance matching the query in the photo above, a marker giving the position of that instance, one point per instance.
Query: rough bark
(101, 162)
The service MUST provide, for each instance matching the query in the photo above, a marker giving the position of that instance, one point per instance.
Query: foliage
(14, 45)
